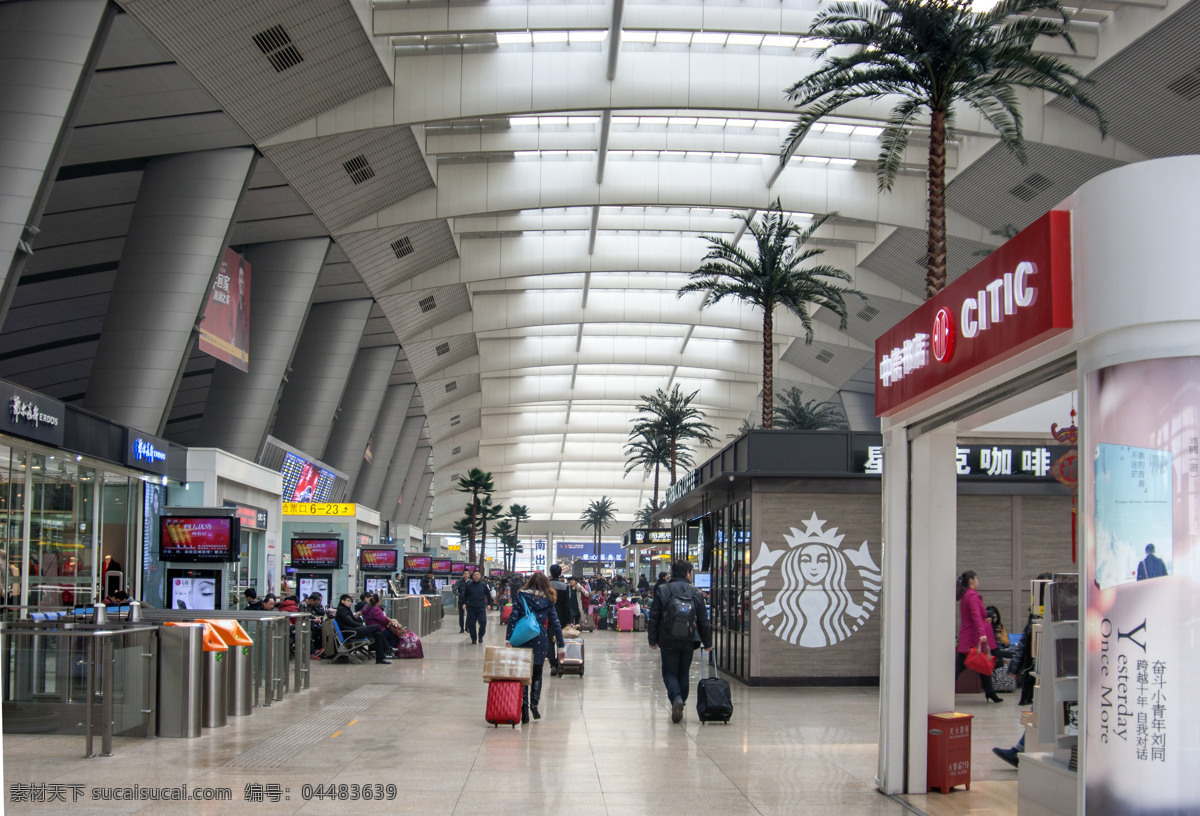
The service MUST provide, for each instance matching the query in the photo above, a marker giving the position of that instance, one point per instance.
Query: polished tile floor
(605, 745)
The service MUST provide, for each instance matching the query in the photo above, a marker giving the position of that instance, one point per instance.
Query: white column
(361, 401)
(388, 427)
(920, 517)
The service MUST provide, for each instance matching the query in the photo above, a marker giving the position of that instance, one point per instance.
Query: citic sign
(1017, 297)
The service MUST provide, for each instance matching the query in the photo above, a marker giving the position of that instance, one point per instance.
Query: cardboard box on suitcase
(625, 620)
(504, 702)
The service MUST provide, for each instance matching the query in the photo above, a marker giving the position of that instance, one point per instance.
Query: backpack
(678, 623)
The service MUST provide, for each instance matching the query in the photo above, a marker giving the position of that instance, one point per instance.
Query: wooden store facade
(786, 527)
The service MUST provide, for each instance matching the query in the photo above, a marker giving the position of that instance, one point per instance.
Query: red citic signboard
(1017, 297)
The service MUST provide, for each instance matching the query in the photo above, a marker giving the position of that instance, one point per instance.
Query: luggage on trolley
(571, 657)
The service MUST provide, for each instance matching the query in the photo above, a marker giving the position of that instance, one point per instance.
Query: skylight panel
(544, 37)
(676, 37)
(707, 121)
(583, 36)
(523, 121)
(660, 121)
(753, 40)
(780, 41)
(638, 36)
(840, 129)
(513, 38)
(682, 121)
(709, 38)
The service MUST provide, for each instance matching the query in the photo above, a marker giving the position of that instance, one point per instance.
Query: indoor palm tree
(476, 483)
(516, 513)
(645, 516)
(930, 55)
(598, 516)
(794, 414)
(748, 424)
(465, 532)
(650, 450)
(670, 416)
(486, 513)
(502, 529)
(773, 274)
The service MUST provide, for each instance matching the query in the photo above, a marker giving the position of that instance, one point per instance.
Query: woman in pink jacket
(974, 630)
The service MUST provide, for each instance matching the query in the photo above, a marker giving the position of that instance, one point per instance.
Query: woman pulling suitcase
(536, 598)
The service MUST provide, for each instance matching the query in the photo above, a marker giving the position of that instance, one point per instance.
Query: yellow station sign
(301, 509)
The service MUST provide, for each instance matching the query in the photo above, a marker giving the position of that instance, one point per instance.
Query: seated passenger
(373, 614)
(269, 602)
(351, 625)
(624, 602)
(289, 604)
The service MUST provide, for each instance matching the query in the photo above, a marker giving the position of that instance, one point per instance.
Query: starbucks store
(784, 526)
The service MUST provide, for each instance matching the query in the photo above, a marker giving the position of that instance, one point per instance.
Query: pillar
(408, 490)
(320, 368)
(283, 276)
(46, 56)
(388, 427)
(397, 469)
(183, 215)
(361, 401)
(920, 510)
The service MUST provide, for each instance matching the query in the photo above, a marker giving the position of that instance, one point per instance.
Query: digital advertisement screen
(316, 553)
(457, 569)
(315, 583)
(1140, 457)
(414, 586)
(440, 565)
(199, 539)
(378, 561)
(418, 563)
(377, 586)
(305, 482)
(194, 589)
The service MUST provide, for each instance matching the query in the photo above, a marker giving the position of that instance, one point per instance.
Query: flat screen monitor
(457, 568)
(316, 553)
(442, 565)
(414, 586)
(319, 584)
(440, 583)
(702, 580)
(377, 586)
(199, 538)
(378, 561)
(305, 482)
(471, 568)
(194, 589)
(418, 563)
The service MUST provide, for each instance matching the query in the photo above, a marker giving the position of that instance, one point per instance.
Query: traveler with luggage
(460, 589)
(537, 599)
(677, 616)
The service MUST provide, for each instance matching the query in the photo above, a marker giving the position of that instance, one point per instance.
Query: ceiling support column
(388, 427)
(180, 225)
(361, 402)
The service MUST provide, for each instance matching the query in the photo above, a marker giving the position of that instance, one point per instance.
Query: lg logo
(943, 336)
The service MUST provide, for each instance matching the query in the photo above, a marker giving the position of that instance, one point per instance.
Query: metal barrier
(66, 678)
(270, 633)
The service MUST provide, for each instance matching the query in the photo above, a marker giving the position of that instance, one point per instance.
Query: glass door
(63, 517)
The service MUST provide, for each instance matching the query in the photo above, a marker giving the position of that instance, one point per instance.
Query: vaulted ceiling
(519, 189)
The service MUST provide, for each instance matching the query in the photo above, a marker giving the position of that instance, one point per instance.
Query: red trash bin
(949, 761)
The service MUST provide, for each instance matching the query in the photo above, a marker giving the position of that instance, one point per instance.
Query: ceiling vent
(278, 47)
(359, 169)
(1188, 85)
(1033, 184)
(455, 420)
(427, 304)
(451, 386)
(442, 349)
(868, 314)
(824, 356)
(402, 247)
(455, 451)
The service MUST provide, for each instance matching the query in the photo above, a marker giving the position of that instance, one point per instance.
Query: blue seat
(352, 647)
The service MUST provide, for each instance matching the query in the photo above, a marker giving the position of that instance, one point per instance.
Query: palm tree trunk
(471, 538)
(672, 460)
(654, 503)
(935, 276)
(768, 398)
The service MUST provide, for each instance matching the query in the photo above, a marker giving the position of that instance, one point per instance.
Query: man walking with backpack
(677, 616)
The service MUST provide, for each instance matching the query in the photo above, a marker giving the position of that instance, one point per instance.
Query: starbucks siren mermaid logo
(813, 608)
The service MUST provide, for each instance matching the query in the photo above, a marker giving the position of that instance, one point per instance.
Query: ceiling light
(588, 36)
(677, 37)
(682, 121)
(745, 123)
(709, 38)
(654, 120)
(543, 37)
(638, 36)
(708, 121)
(625, 120)
(745, 39)
(779, 41)
(523, 121)
(513, 38)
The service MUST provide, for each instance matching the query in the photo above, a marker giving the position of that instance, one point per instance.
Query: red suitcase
(505, 613)
(625, 619)
(504, 702)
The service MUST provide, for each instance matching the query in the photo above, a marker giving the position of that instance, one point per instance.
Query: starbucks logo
(813, 608)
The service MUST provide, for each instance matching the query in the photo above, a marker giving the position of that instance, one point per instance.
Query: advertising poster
(194, 593)
(379, 560)
(1142, 453)
(309, 553)
(304, 482)
(225, 329)
(317, 584)
(418, 563)
(586, 550)
(192, 539)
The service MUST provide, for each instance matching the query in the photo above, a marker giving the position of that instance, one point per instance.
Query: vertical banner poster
(225, 329)
(1142, 549)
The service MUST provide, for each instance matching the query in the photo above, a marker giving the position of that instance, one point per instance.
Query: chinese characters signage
(302, 509)
(145, 452)
(1017, 297)
(32, 415)
(1022, 462)
(225, 329)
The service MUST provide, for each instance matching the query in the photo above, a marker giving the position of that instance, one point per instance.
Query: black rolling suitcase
(714, 703)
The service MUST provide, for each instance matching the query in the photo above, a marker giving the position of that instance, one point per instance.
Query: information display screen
(378, 561)
(304, 482)
(199, 539)
(194, 589)
(456, 568)
(702, 580)
(440, 565)
(418, 563)
(316, 553)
